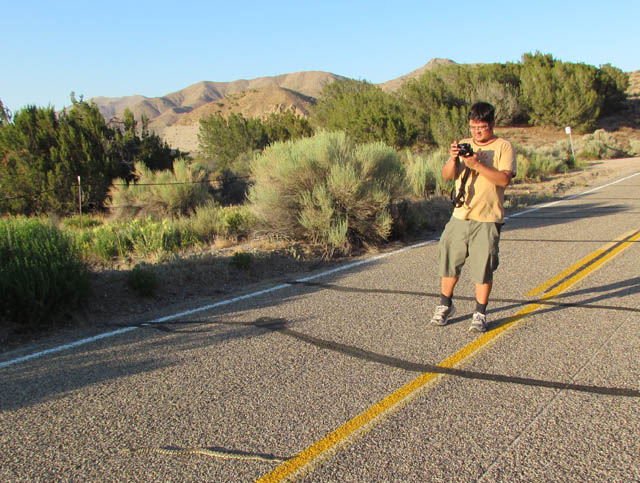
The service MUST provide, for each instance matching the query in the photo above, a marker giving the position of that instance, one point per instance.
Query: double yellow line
(365, 420)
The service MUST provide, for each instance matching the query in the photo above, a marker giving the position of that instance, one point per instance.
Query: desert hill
(176, 116)
(181, 131)
(252, 103)
(110, 106)
(394, 84)
(634, 83)
(185, 100)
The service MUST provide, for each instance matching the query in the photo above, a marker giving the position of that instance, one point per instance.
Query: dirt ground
(206, 276)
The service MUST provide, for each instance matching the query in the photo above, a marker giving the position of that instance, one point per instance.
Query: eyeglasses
(479, 128)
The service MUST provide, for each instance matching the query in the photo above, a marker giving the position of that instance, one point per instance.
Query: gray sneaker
(442, 313)
(478, 323)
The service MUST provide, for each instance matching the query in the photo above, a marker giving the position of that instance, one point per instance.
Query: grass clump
(161, 194)
(211, 220)
(143, 280)
(150, 239)
(424, 173)
(41, 271)
(328, 191)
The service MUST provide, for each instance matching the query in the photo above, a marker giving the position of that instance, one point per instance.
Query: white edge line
(341, 268)
(547, 205)
(67, 346)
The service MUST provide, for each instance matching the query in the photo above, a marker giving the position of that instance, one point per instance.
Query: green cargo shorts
(473, 240)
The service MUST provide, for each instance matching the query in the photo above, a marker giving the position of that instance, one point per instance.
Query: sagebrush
(327, 190)
(41, 272)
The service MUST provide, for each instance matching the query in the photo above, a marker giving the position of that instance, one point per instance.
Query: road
(340, 377)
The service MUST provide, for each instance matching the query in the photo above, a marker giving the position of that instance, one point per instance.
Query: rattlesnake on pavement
(205, 452)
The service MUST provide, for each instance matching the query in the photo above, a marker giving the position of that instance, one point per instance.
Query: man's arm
(450, 167)
(499, 178)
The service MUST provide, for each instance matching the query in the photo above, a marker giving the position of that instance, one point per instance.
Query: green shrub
(143, 237)
(634, 147)
(241, 260)
(447, 124)
(44, 152)
(599, 145)
(504, 97)
(41, 271)
(562, 93)
(161, 194)
(365, 112)
(222, 139)
(327, 191)
(535, 163)
(237, 221)
(205, 220)
(109, 243)
(143, 280)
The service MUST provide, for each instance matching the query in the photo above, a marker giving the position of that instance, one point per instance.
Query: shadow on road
(281, 326)
(29, 384)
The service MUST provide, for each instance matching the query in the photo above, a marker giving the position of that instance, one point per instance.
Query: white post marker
(80, 199)
(568, 131)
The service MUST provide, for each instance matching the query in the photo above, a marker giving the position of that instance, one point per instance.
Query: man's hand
(499, 178)
(472, 162)
(449, 168)
(454, 150)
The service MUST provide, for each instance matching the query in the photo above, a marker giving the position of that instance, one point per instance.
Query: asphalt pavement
(340, 377)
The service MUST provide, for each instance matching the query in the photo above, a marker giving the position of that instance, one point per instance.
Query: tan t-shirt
(484, 201)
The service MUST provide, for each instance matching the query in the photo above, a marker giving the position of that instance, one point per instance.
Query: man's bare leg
(482, 292)
(447, 285)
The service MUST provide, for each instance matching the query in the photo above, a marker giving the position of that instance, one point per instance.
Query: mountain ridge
(175, 116)
(306, 83)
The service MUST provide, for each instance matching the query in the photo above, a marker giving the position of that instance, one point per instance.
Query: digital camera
(465, 150)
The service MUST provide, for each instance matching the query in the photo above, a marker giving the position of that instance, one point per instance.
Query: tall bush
(613, 86)
(42, 154)
(506, 98)
(561, 93)
(224, 139)
(447, 124)
(41, 271)
(437, 101)
(364, 112)
(327, 190)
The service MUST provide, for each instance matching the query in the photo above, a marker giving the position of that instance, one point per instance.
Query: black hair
(482, 112)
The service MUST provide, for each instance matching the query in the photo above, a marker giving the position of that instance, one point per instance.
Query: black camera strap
(459, 199)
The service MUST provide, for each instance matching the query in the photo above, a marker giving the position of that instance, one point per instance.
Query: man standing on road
(473, 232)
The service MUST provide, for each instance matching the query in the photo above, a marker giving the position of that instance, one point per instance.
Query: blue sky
(120, 48)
